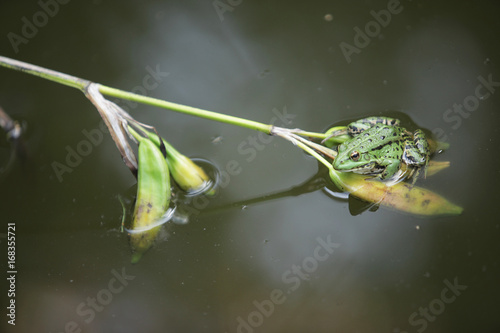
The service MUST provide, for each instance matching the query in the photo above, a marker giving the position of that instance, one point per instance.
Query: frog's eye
(355, 156)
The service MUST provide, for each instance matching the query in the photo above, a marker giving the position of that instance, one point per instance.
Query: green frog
(381, 147)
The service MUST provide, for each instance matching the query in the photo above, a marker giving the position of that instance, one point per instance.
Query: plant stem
(81, 84)
(334, 175)
(289, 137)
(44, 73)
(186, 109)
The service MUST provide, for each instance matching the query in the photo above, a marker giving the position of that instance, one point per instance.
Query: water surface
(261, 267)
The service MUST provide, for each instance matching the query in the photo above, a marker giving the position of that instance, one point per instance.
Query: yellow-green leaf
(401, 196)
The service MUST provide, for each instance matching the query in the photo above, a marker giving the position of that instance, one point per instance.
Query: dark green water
(261, 267)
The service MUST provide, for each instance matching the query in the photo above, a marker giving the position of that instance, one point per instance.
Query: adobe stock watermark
(87, 309)
(420, 319)
(30, 26)
(372, 29)
(95, 136)
(249, 148)
(455, 115)
(222, 6)
(293, 278)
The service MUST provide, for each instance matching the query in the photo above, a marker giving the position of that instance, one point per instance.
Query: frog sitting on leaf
(380, 147)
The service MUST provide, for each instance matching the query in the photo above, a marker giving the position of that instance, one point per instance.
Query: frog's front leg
(391, 165)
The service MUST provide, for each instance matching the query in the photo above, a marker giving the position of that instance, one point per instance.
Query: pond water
(249, 259)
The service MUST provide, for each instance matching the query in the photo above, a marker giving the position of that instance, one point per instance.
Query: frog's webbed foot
(417, 171)
(399, 176)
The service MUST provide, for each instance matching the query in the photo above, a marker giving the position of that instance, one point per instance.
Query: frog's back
(376, 137)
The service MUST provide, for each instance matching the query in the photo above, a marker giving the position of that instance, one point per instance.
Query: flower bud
(189, 176)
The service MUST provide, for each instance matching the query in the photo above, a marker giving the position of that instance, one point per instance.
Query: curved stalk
(75, 82)
(48, 74)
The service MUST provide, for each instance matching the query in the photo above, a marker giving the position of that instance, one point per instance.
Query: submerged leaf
(400, 196)
(436, 166)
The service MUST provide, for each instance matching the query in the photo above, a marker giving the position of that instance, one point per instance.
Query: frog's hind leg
(421, 143)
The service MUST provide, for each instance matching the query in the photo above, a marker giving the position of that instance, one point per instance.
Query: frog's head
(354, 160)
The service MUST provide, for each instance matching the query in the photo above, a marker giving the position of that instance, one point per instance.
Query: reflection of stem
(9, 164)
(311, 185)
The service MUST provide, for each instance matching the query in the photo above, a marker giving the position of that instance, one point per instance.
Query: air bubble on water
(487, 61)
(427, 274)
(384, 82)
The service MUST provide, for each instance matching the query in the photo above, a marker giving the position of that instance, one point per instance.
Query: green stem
(48, 74)
(136, 135)
(315, 135)
(81, 84)
(186, 109)
(306, 148)
(334, 174)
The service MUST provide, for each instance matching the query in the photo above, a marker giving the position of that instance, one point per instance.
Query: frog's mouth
(366, 169)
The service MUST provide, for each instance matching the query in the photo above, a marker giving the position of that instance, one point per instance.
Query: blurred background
(251, 267)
